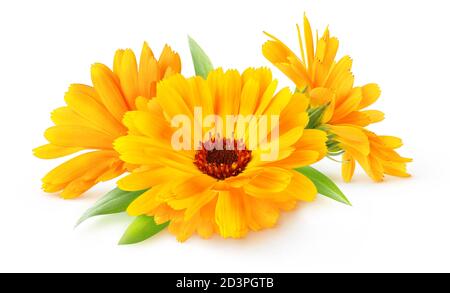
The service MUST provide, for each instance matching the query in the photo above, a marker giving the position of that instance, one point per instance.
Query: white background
(397, 226)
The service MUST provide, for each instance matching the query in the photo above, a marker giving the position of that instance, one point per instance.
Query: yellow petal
(266, 97)
(374, 115)
(237, 181)
(230, 215)
(132, 149)
(353, 137)
(91, 110)
(193, 185)
(118, 62)
(279, 102)
(348, 105)
(313, 140)
(344, 87)
(170, 99)
(78, 136)
(141, 103)
(309, 43)
(76, 188)
(391, 141)
(78, 166)
(50, 151)
(370, 93)
(348, 167)
(230, 94)
(249, 97)
(341, 69)
(362, 159)
(294, 114)
(355, 118)
(177, 161)
(288, 205)
(148, 71)
(85, 89)
(285, 60)
(115, 170)
(262, 75)
(321, 96)
(270, 179)
(163, 213)
(152, 126)
(260, 213)
(207, 225)
(395, 169)
(147, 201)
(301, 188)
(331, 50)
(66, 116)
(376, 169)
(90, 177)
(169, 59)
(290, 137)
(199, 202)
(108, 90)
(129, 77)
(297, 159)
(181, 228)
(139, 180)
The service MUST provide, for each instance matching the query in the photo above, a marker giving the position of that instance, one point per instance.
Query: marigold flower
(208, 190)
(336, 104)
(92, 119)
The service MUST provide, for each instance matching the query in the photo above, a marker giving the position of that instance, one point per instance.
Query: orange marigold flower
(336, 104)
(92, 119)
(229, 191)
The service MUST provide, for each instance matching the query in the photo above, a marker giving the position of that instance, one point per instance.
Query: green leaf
(115, 201)
(142, 228)
(324, 185)
(202, 63)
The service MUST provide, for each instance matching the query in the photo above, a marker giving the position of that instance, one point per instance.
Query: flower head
(336, 104)
(381, 159)
(92, 119)
(216, 180)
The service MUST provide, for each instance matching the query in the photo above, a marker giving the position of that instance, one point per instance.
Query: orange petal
(370, 93)
(139, 180)
(169, 59)
(301, 188)
(260, 213)
(129, 77)
(374, 115)
(230, 215)
(348, 167)
(106, 85)
(269, 179)
(353, 137)
(50, 151)
(147, 201)
(78, 136)
(88, 108)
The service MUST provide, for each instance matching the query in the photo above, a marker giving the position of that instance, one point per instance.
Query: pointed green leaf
(324, 185)
(202, 63)
(115, 201)
(142, 228)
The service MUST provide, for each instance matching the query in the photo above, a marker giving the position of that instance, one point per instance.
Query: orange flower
(229, 191)
(92, 119)
(336, 104)
(381, 158)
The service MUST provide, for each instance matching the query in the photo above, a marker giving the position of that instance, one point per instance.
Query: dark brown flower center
(222, 158)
